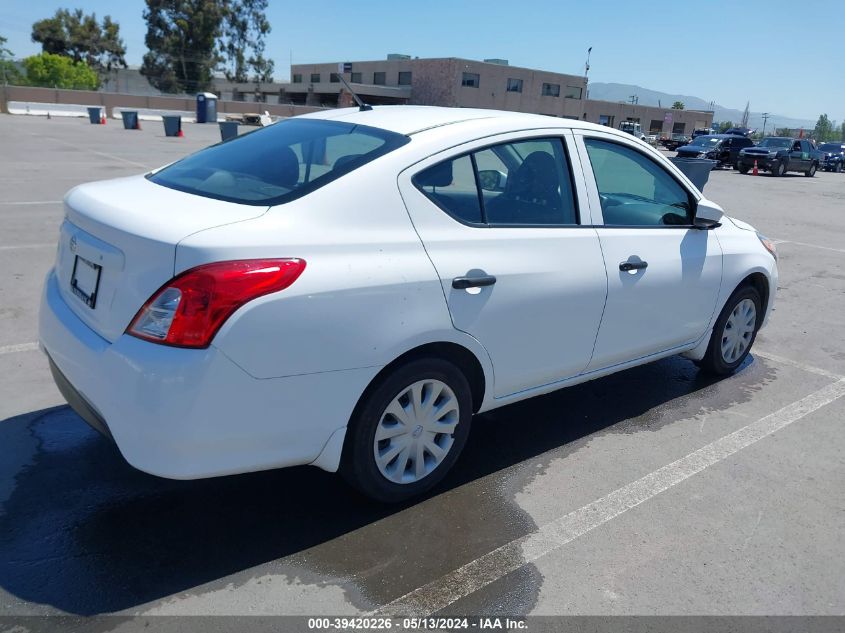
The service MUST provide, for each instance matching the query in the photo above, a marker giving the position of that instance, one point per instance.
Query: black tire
(358, 465)
(812, 171)
(713, 361)
(779, 169)
(742, 167)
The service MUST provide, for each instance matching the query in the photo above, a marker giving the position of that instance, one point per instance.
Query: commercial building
(462, 83)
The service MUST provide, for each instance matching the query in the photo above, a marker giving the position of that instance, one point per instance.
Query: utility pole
(634, 99)
(765, 116)
(587, 65)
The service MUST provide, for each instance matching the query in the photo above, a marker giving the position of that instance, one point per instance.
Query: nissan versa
(347, 289)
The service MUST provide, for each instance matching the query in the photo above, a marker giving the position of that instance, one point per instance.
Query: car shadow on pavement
(84, 532)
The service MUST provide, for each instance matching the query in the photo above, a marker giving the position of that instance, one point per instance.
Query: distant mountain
(623, 92)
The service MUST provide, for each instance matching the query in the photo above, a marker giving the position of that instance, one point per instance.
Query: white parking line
(824, 248)
(476, 575)
(788, 361)
(20, 347)
(28, 202)
(13, 247)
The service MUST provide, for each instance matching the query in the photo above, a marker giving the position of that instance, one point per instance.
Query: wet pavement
(758, 531)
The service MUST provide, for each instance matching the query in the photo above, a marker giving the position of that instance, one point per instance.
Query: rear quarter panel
(368, 293)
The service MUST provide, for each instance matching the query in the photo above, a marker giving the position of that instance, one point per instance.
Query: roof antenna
(362, 107)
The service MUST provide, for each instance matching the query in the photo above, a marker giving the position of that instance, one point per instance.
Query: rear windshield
(278, 163)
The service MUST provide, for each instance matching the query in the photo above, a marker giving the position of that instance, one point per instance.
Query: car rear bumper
(187, 414)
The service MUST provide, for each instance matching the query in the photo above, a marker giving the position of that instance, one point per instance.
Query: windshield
(278, 163)
(832, 147)
(775, 143)
(706, 140)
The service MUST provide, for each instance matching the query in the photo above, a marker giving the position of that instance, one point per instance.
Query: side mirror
(708, 215)
(492, 180)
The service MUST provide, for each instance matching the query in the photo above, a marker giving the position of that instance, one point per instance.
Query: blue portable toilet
(206, 107)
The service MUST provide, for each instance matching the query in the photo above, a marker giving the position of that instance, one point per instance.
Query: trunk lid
(129, 229)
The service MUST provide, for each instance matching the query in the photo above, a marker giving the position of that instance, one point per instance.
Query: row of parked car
(774, 154)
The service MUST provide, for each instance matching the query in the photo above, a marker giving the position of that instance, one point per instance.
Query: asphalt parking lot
(653, 491)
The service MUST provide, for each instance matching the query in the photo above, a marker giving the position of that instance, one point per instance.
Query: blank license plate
(85, 280)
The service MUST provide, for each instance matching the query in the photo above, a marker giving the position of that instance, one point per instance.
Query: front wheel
(742, 167)
(408, 431)
(779, 169)
(811, 172)
(734, 332)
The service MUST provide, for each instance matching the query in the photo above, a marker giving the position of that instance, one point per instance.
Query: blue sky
(785, 57)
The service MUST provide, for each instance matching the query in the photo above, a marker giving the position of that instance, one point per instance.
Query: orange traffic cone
(138, 123)
(102, 118)
(754, 171)
(181, 134)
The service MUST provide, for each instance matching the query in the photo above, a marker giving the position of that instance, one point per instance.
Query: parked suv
(832, 156)
(779, 154)
(724, 148)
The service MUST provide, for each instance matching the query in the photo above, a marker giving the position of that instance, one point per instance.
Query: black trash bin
(172, 124)
(94, 116)
(228, 130)
(130, 119)
(696, 169)
(206, 107)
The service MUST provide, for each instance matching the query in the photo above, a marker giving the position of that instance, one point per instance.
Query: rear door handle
(461, 283)
(626, 266)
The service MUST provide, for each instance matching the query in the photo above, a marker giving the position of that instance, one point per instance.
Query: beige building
(462, 83)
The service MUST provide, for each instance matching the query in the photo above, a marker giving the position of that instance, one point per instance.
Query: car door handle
(626, 266)
(461, 283)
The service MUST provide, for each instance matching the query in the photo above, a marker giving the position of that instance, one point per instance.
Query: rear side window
(278, 163)
(524, 183)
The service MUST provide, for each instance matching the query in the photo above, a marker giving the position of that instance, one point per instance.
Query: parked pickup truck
(675, 141)
(778, 155)
(832, 156)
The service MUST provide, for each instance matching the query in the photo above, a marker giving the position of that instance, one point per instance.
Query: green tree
(59, 71)
(842, 133)
(188, 39)
(83, 39)
(9, 73)
(783, 131)
(678, 105)
(245, 27)
(824, 129)
(724, 126)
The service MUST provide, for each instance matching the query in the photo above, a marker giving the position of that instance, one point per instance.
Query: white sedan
(347, 289)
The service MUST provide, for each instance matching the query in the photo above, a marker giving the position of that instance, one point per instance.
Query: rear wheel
(408, 431)
(811, 172)
(734, 332)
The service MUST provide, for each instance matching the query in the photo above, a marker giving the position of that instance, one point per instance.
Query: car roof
(414, 119)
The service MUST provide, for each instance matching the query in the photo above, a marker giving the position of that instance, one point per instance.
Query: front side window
(551, 90)
(634, 189)
(524, 183)
(405, 78)
(514, 85)
(470, 80)
(278, 163)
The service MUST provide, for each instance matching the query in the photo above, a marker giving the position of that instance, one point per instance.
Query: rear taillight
(189, 309)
